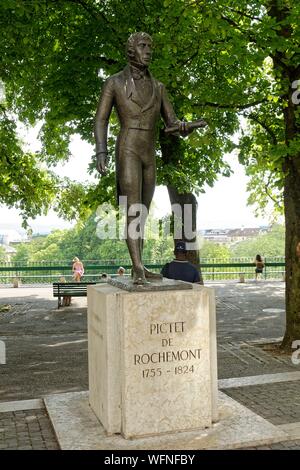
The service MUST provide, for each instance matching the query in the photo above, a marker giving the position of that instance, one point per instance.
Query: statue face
(143, 51)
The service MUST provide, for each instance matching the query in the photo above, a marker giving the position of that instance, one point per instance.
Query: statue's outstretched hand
(200, 123)
(185, 128)
(101, 162)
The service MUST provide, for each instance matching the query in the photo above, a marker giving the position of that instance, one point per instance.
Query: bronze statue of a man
(139, 100)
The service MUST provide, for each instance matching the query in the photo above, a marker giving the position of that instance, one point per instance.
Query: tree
(83, 241)
(24, 183)
(213, 250)
(270, 31)
(257, 60)
(75, 40)
(22, 253)
(3, 256)
(287, 72)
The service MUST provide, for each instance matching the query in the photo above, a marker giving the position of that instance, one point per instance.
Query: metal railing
(212, 269)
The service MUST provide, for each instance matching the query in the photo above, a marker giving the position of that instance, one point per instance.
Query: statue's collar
(131, 91)
(130, 86)
(138, 72)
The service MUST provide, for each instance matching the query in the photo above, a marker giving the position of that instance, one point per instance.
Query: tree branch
(254, 118)
(230, 106)
(185, 62)
(96, 14)
(250, 36)
(239, 12)
(269, 194)
(100, 58)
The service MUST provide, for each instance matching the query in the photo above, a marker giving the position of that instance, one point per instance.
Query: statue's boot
(151, 275)
(138, 276)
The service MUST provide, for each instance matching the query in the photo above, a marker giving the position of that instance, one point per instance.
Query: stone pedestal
(152, 359)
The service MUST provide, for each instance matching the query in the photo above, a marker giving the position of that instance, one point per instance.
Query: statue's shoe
(151, 275)
(138, 277)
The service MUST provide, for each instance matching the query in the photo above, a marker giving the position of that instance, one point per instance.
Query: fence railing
(42, 273)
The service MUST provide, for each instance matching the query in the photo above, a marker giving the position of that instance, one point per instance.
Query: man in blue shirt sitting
(180, 268)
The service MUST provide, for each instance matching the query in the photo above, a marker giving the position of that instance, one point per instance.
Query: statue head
(139, 49)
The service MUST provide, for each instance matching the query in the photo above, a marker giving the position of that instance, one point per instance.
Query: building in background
(230, 236)
(8, 238)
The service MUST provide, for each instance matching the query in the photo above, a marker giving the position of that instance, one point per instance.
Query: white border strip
(21, 405)
(258, 380)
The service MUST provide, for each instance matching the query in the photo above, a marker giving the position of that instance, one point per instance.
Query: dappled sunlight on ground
(265, 318)
(56, 345)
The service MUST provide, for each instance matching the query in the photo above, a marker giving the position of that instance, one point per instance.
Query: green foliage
(3, 256)
(269, 244)
(22, 253)
(52, 53)
(218, 60)
(24, 182)
(82, 241)
(213, 250)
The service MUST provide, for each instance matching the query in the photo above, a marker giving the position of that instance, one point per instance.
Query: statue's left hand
(101, 162)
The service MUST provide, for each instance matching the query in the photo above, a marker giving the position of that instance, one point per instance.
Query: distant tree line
(82, 241)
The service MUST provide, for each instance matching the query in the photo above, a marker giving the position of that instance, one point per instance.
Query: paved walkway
(46, 353)
(26, 430)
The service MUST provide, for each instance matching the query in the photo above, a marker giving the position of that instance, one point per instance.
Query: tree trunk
(287, 74)
(170, 148)
(188, 222)
(292, 263)
(291, 168)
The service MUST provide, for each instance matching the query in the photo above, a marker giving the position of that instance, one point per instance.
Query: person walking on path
(180, 268)
(78, 269)
(259, 266)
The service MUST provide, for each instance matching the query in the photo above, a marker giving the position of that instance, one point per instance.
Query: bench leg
(59, 302)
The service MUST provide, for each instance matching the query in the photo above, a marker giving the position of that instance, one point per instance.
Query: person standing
(180, 268)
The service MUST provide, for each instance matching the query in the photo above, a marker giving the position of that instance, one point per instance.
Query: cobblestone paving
(279, 403)
(287, 445)
(242, 359)
(26, 430)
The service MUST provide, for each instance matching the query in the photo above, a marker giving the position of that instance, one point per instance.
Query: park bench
(72, 289)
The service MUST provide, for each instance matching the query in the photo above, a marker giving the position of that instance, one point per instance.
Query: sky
(223, 206)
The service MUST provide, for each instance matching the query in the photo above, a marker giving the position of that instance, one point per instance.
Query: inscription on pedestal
(185, 359)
